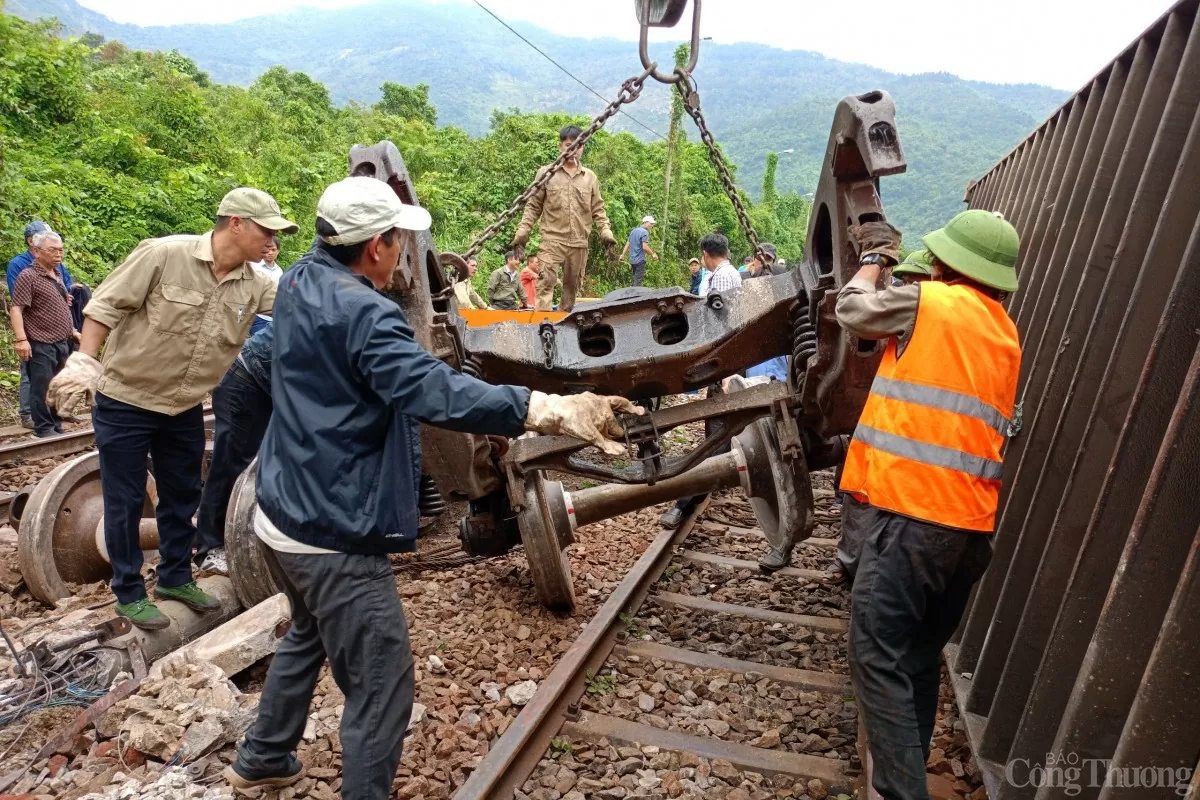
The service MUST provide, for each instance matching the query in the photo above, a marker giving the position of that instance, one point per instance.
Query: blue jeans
(242, 410)
(910, 590)
(125, 436)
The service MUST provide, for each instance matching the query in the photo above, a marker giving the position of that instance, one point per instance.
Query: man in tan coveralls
(567, 207)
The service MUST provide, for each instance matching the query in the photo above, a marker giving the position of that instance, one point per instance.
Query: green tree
(407, 102)
(769, 194)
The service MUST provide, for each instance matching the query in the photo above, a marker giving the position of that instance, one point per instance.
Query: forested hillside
(112, 145)
(757, 99)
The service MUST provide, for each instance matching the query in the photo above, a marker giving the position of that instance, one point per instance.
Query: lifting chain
(631, 90)
(691, 104)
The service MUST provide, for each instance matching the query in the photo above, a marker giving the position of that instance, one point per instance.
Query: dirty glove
(608, 238)
(75, 383)
(877, 237)
(519, 240)
(585, 416)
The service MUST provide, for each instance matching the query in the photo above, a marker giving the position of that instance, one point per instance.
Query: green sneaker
(144, 614)
(190, 595)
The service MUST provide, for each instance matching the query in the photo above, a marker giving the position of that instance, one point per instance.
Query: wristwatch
(874, 258)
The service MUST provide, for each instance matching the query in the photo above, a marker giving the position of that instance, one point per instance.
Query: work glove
(586, 416)
(519, 240)
(877, 237)
(74, 383)
(608, 238)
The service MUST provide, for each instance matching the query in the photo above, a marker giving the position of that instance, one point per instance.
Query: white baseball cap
(648, 220)
(358, 208)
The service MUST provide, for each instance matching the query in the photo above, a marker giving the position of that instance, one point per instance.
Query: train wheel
(545, 532)
(252, 579)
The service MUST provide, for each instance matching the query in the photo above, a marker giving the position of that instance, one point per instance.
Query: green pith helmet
(981, 245)
(919, 262)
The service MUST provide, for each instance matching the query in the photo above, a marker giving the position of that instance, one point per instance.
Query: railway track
(700, 676)
(58, 447)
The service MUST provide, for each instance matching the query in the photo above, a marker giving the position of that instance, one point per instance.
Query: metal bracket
(641, 433)
(787, 430)
(727, 413)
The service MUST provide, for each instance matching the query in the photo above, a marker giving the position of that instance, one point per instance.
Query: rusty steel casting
(61, 534)
(1074, 642)
(778, 487)
(644, 344)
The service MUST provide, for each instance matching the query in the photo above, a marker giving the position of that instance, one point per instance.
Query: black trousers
(44, 363)
(856, 520)
(242, 410)
(125, 436)
(344, 608)
(910, 591)
(639, 272)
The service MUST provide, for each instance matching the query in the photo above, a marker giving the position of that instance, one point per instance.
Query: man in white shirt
(715, 256)
(268, 267)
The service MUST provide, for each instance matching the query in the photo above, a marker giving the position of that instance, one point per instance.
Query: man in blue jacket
(242, 406)
(337, 483)
(16, 266)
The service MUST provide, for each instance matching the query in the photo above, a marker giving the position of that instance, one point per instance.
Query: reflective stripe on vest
(932, 454)
(943, 399)
(930, 439)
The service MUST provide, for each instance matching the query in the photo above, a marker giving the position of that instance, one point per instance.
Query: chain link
(631, 90)
(691, 104)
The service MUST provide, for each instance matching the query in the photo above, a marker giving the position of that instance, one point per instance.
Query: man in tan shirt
(175, 315)
(567, 207)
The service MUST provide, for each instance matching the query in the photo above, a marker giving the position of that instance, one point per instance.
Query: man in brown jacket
(567, 207)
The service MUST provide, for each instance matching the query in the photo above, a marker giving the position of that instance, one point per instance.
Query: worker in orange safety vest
(926, 460)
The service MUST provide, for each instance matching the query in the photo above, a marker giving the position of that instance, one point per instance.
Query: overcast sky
(1062, 43)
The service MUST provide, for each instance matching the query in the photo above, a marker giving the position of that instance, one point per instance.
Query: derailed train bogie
(640, 344)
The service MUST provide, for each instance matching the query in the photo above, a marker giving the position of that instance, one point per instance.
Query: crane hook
(664, 14)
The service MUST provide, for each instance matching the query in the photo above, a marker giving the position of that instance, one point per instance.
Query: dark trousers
(125, 436)
(23, 391)
(910, 591)
(45, 362)
(242, 410)
(856, 520)
(639, 272)
(344, 608)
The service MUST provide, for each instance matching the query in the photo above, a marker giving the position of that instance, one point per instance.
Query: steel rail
(64, 445)
(517, 753)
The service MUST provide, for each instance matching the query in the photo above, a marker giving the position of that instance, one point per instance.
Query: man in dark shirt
(41, 320)
(16, 266)
(337, 483)
(242, 407)
(504, 287)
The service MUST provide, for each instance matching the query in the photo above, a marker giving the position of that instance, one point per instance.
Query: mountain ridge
(756, 99)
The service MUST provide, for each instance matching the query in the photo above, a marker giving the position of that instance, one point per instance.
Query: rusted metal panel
(1161, 728)
(1148, 458)
(1090, 190)
(1056, 362)
(1073, 643)
(1038, 145)
(1073, 501)
(1091, 467)
(1032, 269)
(1034, 200)
(1012, 176)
